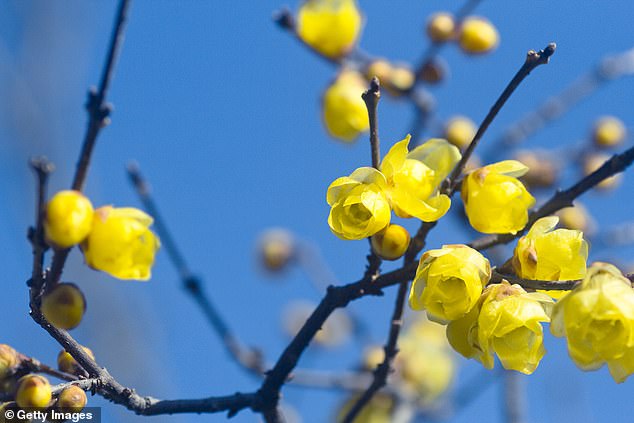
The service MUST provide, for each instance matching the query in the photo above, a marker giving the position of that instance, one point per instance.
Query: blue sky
(221, 110)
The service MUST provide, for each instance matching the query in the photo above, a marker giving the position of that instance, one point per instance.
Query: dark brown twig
(371, 98)
(98, 117)
(533, 59)
(561, 199)
(384, 369)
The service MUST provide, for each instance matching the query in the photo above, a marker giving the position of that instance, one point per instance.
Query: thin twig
(371, 98)
(42, 168)
(98, 117)
(249, 359)
(561, 199)
(533, 59)
(391, 350)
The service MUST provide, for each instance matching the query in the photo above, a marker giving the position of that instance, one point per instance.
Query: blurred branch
(249, 359)
(98, 117)
(610, 68)
(514, 397)
(561, 199)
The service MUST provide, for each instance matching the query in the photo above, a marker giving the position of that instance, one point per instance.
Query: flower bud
(343, 111)
(477, 36)
(64, 306)
(67, 364)
(608, 131)
(276, 247)
(380, 68)
(391, 243)
(441, 27)
(400, 80)
(34, 391)
(72, 399)
(8, 360)
(542, 170)
(434, 71)
(578, 218)
(331, 27)
(68, 220)
(459, 131)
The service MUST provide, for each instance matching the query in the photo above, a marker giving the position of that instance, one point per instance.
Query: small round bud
(400, 80)
(276, 248)
(441, 27)
(72, 399)
(69, 216)
(67, 364)
(380, 68)
(8, 360)
(478, 36)
(434, 71)
(594, 161)
(64, 306)
(578, 218)
(459, 131)
(34, 391)
(542, 170)
(608, 131)
(391, 243)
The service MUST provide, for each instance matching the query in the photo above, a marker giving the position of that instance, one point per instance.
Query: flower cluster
(406, 182)
(117, 241)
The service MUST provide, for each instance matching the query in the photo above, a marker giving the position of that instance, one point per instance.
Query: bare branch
(371, 98)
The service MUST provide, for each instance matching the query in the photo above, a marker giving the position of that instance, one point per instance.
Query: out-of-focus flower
(593, 162)
(331, 27)
(577, 217)
(542, 169)
(121, 243)
(608, 131)
(413, 178)
(344, 112)
(449, 282)
(8, 360)
(275, 249)
(378, 410)
(552, 255)
(477, 35)
(506, 322)
(359, 206)
(495, 200)
(459, 131)
(441, 27)
(597, 318)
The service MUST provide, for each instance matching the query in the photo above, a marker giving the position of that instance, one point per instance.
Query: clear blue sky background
(221, 109)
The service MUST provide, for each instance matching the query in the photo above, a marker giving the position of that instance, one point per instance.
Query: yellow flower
(506, 322)
(449, 282)
(413, 178)
(68, 220)
(121, 243)
(331, 27)
(344, 112)
(425, 361)
(359, 207)
(551, 255)
(494, 200)
(608, 131)
(597, 318)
